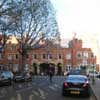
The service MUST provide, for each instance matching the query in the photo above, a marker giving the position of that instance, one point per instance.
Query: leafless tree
(29, 20)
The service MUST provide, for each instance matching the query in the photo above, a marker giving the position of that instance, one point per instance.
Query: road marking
(3, 92)
(23, 89)
(51, 87)
(12, 98)
(30, 97)
(57, 86)
(42, 93)
(36, 93)
(19, 97)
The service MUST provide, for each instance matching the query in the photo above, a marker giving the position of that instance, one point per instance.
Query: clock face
(79, 55)
(68, 56)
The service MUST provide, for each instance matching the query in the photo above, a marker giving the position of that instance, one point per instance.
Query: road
(39, 89)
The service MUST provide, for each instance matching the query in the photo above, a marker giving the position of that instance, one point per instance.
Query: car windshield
(6, 73)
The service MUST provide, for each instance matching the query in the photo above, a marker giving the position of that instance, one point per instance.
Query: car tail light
(65, 84)
(86, 85)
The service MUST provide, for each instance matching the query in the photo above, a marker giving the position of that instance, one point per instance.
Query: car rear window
(76, 79)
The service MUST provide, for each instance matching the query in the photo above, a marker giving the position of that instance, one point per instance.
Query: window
(14, 47)
(9, 56)
(16, 56)
(92, 55)
(35, 56)
(27, 56)
(59, 56)
(68, 56)
(44, 56)
(50, 56)
(9, 47)
(85, 54)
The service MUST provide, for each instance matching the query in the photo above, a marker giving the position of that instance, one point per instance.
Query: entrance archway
(44, 68)
(59, 66)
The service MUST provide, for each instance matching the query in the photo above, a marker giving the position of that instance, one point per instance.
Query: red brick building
(73, 56)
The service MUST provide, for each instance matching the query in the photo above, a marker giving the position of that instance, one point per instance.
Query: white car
(95, 74)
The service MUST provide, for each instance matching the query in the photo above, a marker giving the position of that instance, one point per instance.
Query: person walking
(51, 75)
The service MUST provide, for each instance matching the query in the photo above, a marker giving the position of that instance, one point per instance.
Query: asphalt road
(39, 89)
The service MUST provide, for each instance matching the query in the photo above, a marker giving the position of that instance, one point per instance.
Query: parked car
(98, 76)
(6, 77)
(76, 85)
(18, 78)
(7, 74)
(27, 77)
(93, 74)
(22, 77)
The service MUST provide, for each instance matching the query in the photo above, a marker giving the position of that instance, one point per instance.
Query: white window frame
(68, 56)
(85, 54)
(50, 55)
(10, 56)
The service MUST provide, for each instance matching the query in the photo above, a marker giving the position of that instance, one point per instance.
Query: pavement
(95, 85)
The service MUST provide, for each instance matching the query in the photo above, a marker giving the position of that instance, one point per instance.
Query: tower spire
(74, 35)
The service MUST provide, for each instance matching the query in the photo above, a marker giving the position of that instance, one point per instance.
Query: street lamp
(93, 78)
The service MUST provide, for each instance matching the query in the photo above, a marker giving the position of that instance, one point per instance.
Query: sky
(81, 17)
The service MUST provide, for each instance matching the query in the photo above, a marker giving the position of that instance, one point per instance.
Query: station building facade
(73, 56)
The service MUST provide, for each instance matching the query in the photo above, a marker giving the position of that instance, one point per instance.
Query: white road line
(23, 89)
(36, 93)
(57, 86)
(31, 96)
(42, 94)
(51, 87)
(19, 97)
(3, 92)
(12, 98)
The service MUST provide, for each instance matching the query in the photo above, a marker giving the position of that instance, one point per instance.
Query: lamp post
(93, 79)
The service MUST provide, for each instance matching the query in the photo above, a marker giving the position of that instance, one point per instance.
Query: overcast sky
(81, 17)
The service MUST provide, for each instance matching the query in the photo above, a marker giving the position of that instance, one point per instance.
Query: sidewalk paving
(96, 88)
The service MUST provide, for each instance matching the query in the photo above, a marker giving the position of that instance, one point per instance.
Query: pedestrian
(51, 75)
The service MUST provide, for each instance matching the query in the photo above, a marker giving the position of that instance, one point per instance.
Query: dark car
(4, 81)
(22, 77)
(98, 76)
(76, 85)
(27, 77)
(6, 78)
(18, 78)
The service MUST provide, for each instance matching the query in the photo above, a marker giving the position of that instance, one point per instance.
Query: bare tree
(29, 20)
(4, 25)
